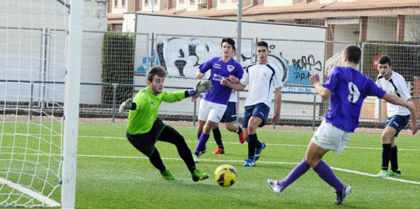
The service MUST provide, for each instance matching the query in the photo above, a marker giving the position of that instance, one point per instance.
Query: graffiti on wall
(181, 56)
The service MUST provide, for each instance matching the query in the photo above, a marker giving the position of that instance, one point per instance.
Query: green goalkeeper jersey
(141, 119)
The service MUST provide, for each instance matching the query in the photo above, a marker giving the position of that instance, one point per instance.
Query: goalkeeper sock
(218, 137)
(326, 174)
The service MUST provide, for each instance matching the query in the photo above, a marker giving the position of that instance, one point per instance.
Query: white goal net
(33, 64)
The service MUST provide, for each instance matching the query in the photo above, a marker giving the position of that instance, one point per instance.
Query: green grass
(113, 174)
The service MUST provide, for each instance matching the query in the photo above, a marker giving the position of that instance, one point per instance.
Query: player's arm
(321, 90)
(276, 117)
(200, 87)
(409, 105)
(203, 68)
(234, 86)
(129, 104)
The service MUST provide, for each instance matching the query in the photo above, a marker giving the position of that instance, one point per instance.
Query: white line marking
(49, 202)
(259, 162)
(237, 143)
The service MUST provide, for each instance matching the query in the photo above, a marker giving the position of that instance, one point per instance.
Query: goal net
(33, 64)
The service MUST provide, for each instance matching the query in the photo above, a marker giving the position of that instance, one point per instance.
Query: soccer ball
(225, 175)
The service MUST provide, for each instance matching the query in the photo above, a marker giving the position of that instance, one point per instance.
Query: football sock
(218, 137)
(325, 172)
(386, 155)
(298, 171)
(394, 158)
(252, 138)
(156, 160)
(239, 130)
(201, 146)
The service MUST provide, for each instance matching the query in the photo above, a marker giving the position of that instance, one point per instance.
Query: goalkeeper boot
(382, 174)
(198, 176)
(395, 173)
(342, 194)
(258, 151)
(167, 175)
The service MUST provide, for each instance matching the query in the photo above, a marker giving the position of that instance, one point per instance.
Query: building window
(192, 2)
(122, 2)
(115, 2)
(181, 1)
(222, 1)
(146, 2)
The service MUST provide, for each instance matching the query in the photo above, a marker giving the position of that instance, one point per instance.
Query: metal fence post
(313, 114)
(114, 100)
(195, 112)
(380, 111)
(31, 99)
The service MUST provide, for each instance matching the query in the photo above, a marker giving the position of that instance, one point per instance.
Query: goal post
(71, 104)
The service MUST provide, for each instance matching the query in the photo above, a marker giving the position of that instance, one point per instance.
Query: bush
(117, 66)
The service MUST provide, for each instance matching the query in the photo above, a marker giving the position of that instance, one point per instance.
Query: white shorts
(211, 111)
(329, 137)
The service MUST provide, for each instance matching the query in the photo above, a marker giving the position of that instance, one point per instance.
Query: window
(122, 2)
(181, 1)
(115, 2)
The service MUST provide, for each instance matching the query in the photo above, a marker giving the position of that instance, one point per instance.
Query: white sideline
(237, 143)
(259, 162)
(49, 202)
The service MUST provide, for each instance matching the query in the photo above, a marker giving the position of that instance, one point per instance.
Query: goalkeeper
(144, 127)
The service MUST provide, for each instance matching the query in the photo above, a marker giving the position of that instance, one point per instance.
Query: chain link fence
(114, 65)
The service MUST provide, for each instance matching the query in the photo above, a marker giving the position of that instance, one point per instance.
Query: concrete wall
(412, 28)
(39, 52)
(382, 28)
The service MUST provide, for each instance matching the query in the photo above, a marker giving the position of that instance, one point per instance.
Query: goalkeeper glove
(126, 105)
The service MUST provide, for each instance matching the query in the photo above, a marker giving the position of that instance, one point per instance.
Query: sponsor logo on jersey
(217, 66)
(230, 68)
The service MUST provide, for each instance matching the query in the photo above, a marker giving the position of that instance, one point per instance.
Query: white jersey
(261, 80)
(233, 96)
(397, 86)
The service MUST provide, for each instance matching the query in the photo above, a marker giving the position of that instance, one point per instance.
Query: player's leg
(172, 136)
(399, 123)
(249, 161)
(214, 115)
(203, 113)
(253, 142)
(259, 119)
(230, 117)
(218, 138)
(146, 145)
(387, 136)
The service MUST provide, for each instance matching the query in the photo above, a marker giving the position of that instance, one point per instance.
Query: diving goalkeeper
(144, 127)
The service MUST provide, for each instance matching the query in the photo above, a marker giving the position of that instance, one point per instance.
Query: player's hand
(233, 79)
(202, 86)
(125, 105)
(200, 75)
(224, 82)
(314, 78)
(414, 129)
(276, 119)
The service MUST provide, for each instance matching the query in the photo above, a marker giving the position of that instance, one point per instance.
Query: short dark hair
(155, 70)
(353, 54)
(230, 41)
(385, 60)
(262, 43)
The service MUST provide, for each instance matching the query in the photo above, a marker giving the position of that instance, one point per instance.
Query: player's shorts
(260, 110)
(230, 113)
(211, 111)
(329, 137)
(398, 122)
(145, 143)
